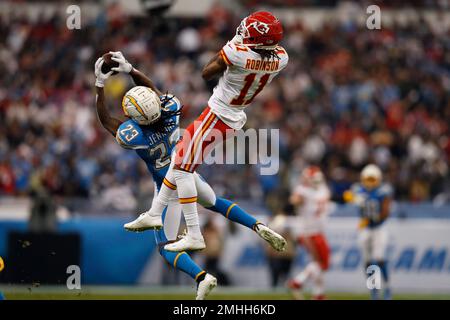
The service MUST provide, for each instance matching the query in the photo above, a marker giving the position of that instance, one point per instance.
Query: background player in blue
(374, 199)
(152, 131)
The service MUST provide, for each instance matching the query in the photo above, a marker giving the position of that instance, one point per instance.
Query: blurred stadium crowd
(349, 96)
(444, 4)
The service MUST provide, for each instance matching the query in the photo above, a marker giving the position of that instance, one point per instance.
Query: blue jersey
(370, 202)
(154, 146)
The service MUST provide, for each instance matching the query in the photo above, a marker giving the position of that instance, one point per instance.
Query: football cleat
(205, 287)
(186, 243)
(274, 239)
(144, 222)
(295, 288)
(294, 285)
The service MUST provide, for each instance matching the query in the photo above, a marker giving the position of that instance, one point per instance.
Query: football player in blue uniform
(374, 200)
(152, 131)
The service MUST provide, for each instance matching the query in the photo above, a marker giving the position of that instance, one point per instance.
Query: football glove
(124, 65)
(100, 77)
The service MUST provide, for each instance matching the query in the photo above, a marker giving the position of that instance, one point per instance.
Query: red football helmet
(260, 30)
(312, 176)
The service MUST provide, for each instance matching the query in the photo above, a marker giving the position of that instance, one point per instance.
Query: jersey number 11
(249, 79)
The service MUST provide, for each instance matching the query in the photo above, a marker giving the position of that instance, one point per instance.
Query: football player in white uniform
(312, 201)
(246, 64)
(374, 199)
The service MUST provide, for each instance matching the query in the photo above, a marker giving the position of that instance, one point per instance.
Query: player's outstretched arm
(109, 123)
(216, 66)
(139, 78)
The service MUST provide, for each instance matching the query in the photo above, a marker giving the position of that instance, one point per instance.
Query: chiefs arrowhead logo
(261, 27)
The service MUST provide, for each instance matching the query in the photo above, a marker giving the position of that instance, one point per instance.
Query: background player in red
(312, 201)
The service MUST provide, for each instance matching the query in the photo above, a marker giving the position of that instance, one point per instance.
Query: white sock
(164, 195)
(187, 195)
(312, 270)
(318, 287)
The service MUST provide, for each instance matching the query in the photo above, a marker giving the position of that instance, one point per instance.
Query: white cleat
(206, 286)
(144, 222)
(274, 239)
(186, 243)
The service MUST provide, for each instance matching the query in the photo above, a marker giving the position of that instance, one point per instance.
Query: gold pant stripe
(188, 200)
(176, 259)
(198, 141)
(169, 184)
(229, 209)
(199, 274)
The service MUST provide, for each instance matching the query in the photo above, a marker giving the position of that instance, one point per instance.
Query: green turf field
(173, 293)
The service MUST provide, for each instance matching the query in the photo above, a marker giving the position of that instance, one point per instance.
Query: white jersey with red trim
(313, 210)
(245, 77)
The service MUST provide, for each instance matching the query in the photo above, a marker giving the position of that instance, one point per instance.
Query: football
(109, 63)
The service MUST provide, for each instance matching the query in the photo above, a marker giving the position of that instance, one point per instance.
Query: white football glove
(124, 65)
(237, 39)
(100, 77)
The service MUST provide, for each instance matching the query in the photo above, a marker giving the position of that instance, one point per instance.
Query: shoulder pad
(234, 54)
(129, 135)
(284, 57)
(385, 190)
(356, 188)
